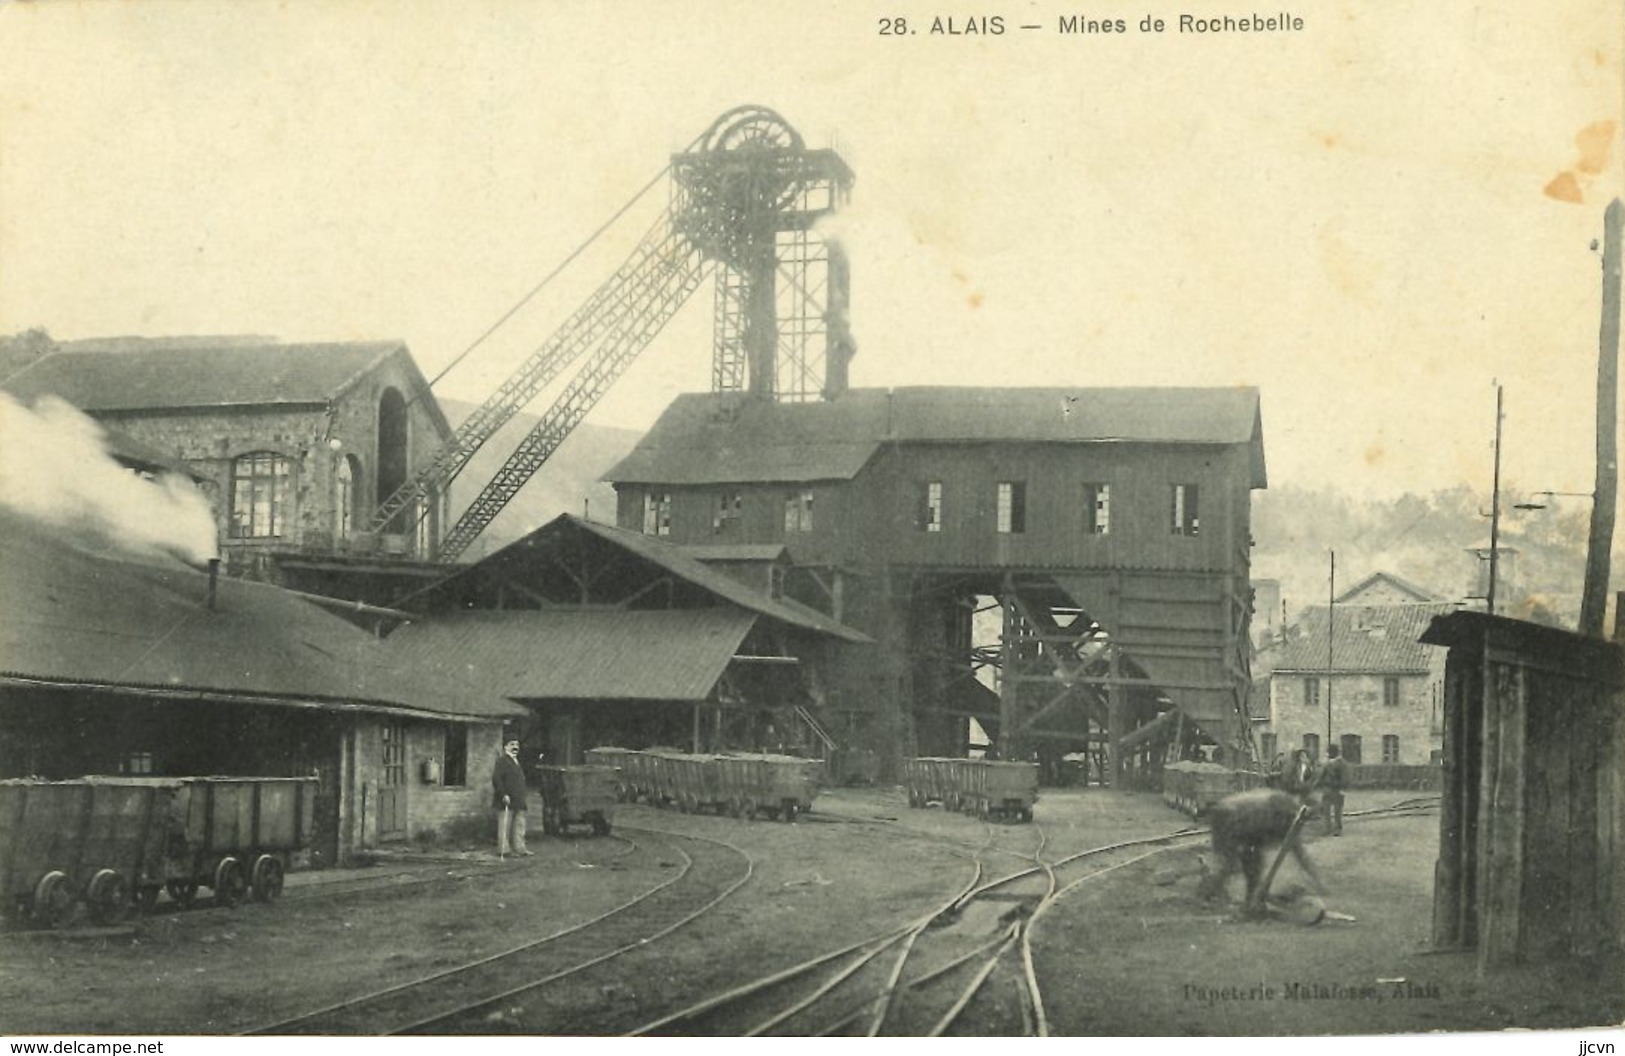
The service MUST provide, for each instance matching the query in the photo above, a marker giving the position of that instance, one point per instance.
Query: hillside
(567, 483)
(1424, 539)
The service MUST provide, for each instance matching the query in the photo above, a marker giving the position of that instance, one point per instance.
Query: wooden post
(1595, 598)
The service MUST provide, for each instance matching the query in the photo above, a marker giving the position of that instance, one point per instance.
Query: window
(929, 517)
(343, 497)
(1186, 518)
(657, 513)
(1311, 745)
(136, 763)
(1350, 743)
(1390, 692)
(1266, 746)
(259, 495)
(454, 767)
(725, 518)
(1097, 509)
(1311, 692)
(798, 511)
(1390, 747)
(1012, 507)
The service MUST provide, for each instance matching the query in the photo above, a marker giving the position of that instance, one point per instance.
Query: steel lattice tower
(750, 197)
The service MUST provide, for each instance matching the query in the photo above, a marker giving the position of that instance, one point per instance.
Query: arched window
(344, 496)
(260, 495)
(392, 448)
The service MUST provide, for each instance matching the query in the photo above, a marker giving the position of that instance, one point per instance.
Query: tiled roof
(151, 376)
(705, 438)
(71, 614)
(581, 654)
(1365, 638)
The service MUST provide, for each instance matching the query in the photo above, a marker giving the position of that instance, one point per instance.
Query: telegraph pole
(1495, 505)
(1331, 628)
(1595, 598)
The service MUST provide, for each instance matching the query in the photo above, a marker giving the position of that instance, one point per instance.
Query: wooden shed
(1530, 866)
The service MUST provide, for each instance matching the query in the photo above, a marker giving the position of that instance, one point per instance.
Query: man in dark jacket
(508, 800)
(1332, 779)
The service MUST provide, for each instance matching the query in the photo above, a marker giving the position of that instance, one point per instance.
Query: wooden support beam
(647, 588)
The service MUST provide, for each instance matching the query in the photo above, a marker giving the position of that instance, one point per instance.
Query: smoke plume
(54, 467)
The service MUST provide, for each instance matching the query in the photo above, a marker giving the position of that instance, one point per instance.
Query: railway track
(963, 966)
(507, 991)
(966, 966)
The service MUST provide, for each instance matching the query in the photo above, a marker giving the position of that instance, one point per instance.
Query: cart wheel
(181, 891)
(267, 878)
(108, 896)
(229, 883)
(146, 897)
(53, 899)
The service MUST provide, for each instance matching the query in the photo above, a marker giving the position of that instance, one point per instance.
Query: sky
(1373, 219)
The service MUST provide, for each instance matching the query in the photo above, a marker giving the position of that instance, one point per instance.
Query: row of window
(798, 512)
(1390, 692)
(261, 502)
(1010, 509)
(1349, 744)
(1095, 508)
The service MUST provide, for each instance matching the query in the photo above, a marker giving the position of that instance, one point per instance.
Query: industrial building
(1066, 566)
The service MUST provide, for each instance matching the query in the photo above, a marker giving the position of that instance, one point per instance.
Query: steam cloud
(54, 467)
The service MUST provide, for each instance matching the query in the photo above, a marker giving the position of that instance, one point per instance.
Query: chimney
(214, 580)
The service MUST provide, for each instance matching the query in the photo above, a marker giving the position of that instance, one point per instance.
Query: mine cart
(929, 779)
(789, 785)
(107, 841)
(695, 783)
(999, 789)
(578, 795)
(621, 760)
(779, 786)
(1194, 787)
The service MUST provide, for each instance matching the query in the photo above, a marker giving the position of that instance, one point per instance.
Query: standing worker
(1331, 781)
(508, 799)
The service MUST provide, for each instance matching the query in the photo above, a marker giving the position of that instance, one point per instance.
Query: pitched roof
(1365, 638)
(582, 654)
(510, 564)
(151, 375)
(734, 551)
(1376, 579)
(73, 615)
(708, 438)
(672, 558)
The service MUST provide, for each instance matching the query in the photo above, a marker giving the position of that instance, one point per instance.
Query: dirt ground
(1132, 953)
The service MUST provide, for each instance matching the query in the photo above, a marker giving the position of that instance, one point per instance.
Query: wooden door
(392, 787)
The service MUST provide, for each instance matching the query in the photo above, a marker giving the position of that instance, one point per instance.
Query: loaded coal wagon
(103, 842)
(779, 786)
(1194, 787)
(578, 795)
(991, 789)
(620, 760)
(984, 787)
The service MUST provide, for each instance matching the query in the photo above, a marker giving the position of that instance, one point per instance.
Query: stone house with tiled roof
(295, 444)
(1363, 674)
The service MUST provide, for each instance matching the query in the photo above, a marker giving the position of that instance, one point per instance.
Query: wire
(582, 248)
